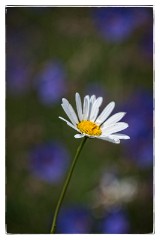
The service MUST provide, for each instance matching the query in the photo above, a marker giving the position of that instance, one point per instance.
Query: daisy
(89, 124)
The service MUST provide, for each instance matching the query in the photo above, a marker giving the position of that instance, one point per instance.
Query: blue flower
(139, 116)
(117, 23)
(115, 222)
(18, 61)
(49, 161)
(17, 75)
(74, 219)
(51, 83)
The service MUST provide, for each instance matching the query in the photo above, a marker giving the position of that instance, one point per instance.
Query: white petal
(65, 101)
(86, 105)
(105, 113)
(67, 106)
(119, 136)
(114, 128)
(70, 124)
(95, 109)
(93, 99)
(114, 119)
(79, 136)
(114, 140)
(79, 106)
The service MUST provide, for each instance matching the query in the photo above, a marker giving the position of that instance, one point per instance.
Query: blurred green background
(54, 52)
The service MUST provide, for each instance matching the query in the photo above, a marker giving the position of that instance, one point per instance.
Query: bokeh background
(53, 52)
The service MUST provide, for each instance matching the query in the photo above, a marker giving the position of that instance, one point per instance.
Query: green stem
(64, 189)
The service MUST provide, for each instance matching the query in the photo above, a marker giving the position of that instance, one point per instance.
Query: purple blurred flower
(117, 23)
(75, 219)
(139, 116)
(17, 74)
(115, 222)
(51, 83)
(49, 161)
(18, 61)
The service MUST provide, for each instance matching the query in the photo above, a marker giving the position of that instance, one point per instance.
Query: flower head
(142, 132)
(89, 124)
(116, 222)
(51, 77)
(17, 74)
(49, 161)
(75, 219)
(116, 24)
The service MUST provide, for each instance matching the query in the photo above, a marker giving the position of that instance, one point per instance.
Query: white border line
(81, 2)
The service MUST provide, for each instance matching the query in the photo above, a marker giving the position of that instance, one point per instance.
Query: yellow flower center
(89, 128)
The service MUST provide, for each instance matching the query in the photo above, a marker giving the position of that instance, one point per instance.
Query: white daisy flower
(89, 124)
